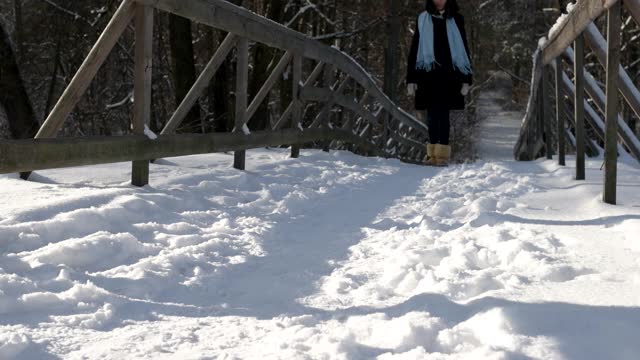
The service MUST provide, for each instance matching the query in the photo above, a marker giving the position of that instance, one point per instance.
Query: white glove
(465, 89)
(411, 89)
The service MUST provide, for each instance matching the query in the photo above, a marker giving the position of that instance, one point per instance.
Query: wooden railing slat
(88, 70)
(598, 96)
(245, 23)
(598, 44)
(269, 83)
(201, 84)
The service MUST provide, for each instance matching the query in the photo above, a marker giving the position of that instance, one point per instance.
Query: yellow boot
(430, 159)
(442, 155)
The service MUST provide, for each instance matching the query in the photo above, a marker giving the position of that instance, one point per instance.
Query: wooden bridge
(567, 45)
(333, 80)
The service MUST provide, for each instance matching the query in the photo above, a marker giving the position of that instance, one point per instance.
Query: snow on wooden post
(578, 66)
(559, 115)
(142, 86)
(296, 118)
(242, 76)
(611, 134)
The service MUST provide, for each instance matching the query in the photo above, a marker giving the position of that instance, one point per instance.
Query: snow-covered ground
(330, 256)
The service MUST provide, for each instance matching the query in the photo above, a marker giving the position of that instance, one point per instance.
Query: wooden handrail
(243, 26)
(575, 28)
(223, 15)
(583, 14)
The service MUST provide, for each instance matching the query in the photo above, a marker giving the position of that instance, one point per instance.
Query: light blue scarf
(426, 54)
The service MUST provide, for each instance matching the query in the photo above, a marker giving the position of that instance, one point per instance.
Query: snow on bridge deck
(330, 256)
(500, 128)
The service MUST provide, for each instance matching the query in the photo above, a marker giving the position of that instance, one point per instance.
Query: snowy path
(330, 256)
(499, 130)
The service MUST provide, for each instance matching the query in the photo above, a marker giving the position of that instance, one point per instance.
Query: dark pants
(439, 126)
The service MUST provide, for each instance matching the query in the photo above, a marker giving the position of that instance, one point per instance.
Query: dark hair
(450, 9)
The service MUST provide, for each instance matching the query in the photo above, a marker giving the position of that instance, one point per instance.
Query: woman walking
(439, 72)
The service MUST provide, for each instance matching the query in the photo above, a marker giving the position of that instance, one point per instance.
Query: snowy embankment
(331, 256)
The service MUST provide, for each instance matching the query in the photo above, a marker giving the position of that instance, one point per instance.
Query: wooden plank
(595, 121)
(336, 97)
(559, 114)
(88, 70)
(284, 117)
(406, 141)
(269, 83)
(578, 68)
(296, 116)
(598, 44)
(576, 22)
(591, 149)
(326, 95)
(625, 134)
(523, 150)
(39, 154)
(546, 92)
(142, 86)
(242, 78)
(611, 135)
(201, 84)
(634, 8)
(231, 18)
(315, 74)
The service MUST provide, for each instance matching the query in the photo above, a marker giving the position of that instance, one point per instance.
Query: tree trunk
(19, 31)
(184, 70)
(220, 91)
(13, 95)
(394, 24)
(263, 57)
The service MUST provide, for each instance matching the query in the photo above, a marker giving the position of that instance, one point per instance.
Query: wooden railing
(536, 136)
(403, 136)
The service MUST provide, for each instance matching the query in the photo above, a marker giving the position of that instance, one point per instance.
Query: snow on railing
(570, 28)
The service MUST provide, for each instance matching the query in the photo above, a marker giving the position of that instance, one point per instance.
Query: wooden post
(329, 79)
(546, 112)
(578, 65)
(242, 76)
(385, 133)
(611, 133)
(296, 118)
(559, 114)
(142, 86)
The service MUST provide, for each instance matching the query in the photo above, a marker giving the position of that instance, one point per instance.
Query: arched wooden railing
(403, 135)
(566, 44)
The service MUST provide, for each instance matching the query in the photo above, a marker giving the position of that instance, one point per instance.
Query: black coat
(438, 89)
